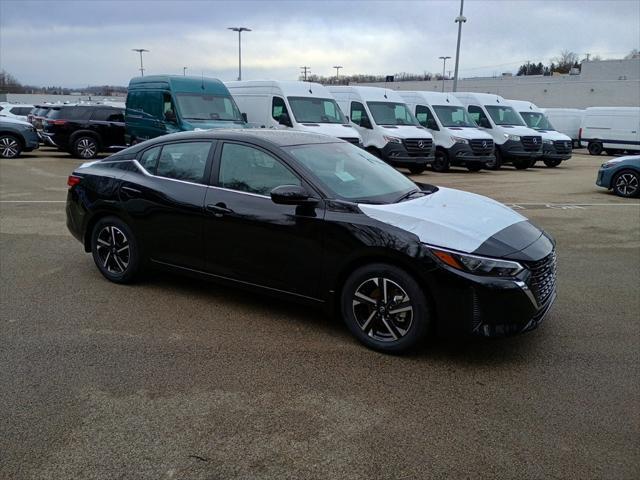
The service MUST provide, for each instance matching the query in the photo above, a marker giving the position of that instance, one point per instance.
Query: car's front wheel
(115, 250)
(521, 164)
(385, 308)
(551, 163)
(627, 184)
(85, 147)
(474, 167)
(9, 146)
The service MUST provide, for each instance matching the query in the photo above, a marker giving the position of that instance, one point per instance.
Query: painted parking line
(567, 206)
(33, 201)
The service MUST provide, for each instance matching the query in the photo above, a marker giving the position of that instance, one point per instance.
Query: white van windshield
(502, 115)
(316, 110)
(390, 113)
(537, 121)
(196, 106)
(453, 116)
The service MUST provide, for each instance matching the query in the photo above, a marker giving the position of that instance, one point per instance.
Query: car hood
(470, 133)
(461, 221)
(406, 131)
(336, 130)
(14, 120)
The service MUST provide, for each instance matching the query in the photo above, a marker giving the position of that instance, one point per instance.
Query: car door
(251, 239)
(108, 123)
(165, 200)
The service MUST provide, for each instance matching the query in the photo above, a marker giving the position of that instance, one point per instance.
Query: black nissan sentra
(316, 219)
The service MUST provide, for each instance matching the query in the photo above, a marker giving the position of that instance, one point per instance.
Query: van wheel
(417, 169)
(85, 147)
(612, 152)
(496, 163)
(595, 148)
(626, 184)
(552, 163)
(521, 164)
(474, 167)
(441, 162)
(385, 308)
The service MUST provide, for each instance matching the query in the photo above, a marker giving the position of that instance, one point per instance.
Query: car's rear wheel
(627, 184)
(115, 250)
(551, 163)
(385, 308)
(10, 146)
(85, 147)
(594, 148)
(521, 164)
(441, 162)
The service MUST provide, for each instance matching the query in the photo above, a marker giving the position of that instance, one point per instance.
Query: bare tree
(565, 61)
(632, 54)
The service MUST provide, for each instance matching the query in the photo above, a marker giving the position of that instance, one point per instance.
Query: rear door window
(184, 161)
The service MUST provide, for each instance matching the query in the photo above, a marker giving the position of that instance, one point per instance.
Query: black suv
(84, 130)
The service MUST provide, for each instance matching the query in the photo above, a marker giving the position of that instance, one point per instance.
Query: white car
(18, 111)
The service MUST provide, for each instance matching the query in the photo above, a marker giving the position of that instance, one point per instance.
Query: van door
(144, 115)
(362, 122)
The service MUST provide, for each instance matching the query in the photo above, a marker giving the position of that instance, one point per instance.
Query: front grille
(481, 146)
(543, 278)
(355, 141)
(531, 143)
(418, 147)
(562, 146)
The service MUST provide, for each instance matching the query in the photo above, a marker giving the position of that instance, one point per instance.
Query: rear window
(20, 110)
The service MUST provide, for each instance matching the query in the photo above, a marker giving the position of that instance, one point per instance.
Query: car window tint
(149, 159)
(248, 169)
(184, 161)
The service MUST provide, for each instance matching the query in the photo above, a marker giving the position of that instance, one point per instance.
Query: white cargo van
(613, 129)
(458, 140)
(514, 141)
(388, 128)
(303, 106)
(556, 146)
(567, 121)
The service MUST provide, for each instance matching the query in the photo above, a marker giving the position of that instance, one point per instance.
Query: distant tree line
(10, 84)
(359, 78)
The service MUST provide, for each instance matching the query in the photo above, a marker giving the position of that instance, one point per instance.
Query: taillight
(72, 181)
(55, 122)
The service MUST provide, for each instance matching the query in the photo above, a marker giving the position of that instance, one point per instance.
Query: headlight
(610, 163)
(515, 138)
(478, 265)
(392, 139)
(547, 142)
(459, 140)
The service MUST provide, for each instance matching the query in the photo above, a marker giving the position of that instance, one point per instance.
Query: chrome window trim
(239, 191)
(145, 172)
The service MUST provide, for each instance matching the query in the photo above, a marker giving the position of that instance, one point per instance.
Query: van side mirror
(431, 124)
(484, 122)
(365, 122)
(284, 119)
(244, 117)
(292, 195)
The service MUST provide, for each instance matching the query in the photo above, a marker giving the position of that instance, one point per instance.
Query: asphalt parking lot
(175, 378)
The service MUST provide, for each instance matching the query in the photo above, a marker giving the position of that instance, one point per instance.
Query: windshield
(195, 106)
(502, 115)
(453, 116)
(537, 120)
(390, 113)
(350, 173)
(316, 110)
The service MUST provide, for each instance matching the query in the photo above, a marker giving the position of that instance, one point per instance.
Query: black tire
(552, 163)
(594, 148)
(10, 146)
(521, 164)
(375, 152)
(441, 162)
(474, 167)
(612, 152)
(495, 164)
(417, 169)
(115, 250)
(370, 319)
(85, 147)
(626, 184)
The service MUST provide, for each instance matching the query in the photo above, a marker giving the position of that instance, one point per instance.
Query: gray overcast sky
(82, 42)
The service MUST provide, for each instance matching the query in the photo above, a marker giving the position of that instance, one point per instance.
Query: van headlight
(493, 267)
(515, 138)
(459, 140)
(392, 139)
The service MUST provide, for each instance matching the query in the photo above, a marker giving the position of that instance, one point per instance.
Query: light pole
(444, 65)
(460, 19)
(305, 70)
(239, 30)
(140, 51)
(184, 71)
(337, 67)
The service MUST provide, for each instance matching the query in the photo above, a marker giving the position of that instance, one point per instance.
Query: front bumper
(395, 154)
(461, 154)
(549, 153)
(47, 138)
(512, 149)
(604, 177)
(31, 141)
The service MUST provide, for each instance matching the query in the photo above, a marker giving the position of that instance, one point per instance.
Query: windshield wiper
(408, 195)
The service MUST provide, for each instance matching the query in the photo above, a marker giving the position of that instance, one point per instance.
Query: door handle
(219, 209)
(132, 192)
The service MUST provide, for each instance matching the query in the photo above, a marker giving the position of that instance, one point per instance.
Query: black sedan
(317, 219)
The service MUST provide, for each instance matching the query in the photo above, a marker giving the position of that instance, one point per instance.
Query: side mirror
(484, 123)
(284, 119)
(244, 117)
(431, 124)
(365, 123)
(292, 195)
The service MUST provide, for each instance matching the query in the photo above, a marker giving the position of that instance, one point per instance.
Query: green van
(162, 104)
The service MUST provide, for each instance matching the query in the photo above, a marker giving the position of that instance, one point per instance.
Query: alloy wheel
(87, 148)
(382, 309)
(9, 147)
(627, 184)
(113, 250)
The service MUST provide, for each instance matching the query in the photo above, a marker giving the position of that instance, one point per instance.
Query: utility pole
(140, 51)
(337, 67)
(305, 70)
(184, 71)
(444, 64)
(588, 55)
(239, 30)
(460, 19)
(449, 74)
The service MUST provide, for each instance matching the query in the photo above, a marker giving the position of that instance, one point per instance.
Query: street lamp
(444, 63)
(460, 19)
(337, 67)
(140, 51)
(239, 30)
(184, 71)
